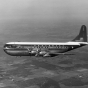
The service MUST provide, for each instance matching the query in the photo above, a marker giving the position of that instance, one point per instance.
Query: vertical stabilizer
(82, 37)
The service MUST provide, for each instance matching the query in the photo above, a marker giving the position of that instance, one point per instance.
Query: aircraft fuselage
(40, 48)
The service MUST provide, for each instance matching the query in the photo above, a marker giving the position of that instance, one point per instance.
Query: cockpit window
(7, 46)
(10, 46)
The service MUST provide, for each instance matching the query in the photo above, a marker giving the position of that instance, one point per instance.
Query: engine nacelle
(33, 52)
(42, 52)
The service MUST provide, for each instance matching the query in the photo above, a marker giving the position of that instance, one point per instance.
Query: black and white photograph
(43, 44)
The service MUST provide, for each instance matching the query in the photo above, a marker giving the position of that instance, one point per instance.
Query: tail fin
(82, 37)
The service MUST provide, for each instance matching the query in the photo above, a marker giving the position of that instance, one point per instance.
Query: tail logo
(80, 40)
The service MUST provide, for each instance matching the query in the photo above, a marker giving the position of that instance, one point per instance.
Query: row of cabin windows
(36, 46)
(47, 46)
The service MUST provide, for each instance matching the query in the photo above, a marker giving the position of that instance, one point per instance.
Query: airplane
(46, 49)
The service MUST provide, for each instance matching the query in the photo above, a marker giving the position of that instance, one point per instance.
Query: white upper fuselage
(47, 43)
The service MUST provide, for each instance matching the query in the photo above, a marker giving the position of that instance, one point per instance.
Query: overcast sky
(44, 9)
(38, 17)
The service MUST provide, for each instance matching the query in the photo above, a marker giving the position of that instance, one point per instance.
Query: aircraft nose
(5, 48)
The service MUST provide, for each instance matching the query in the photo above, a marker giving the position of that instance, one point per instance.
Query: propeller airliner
(46, 49)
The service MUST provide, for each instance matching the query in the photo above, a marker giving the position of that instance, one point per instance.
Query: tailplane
(82, 37)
